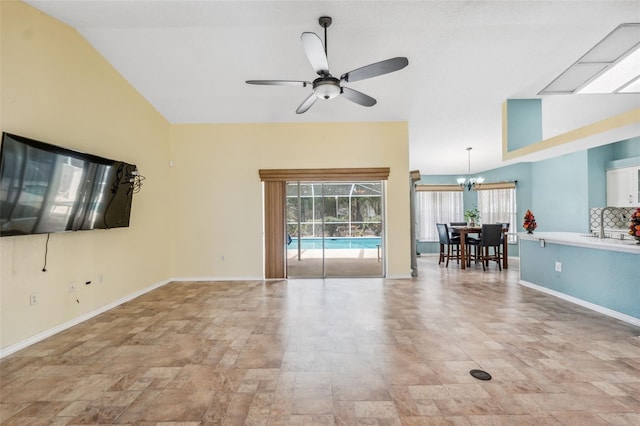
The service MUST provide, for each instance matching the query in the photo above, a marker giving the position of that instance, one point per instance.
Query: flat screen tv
(45, 189)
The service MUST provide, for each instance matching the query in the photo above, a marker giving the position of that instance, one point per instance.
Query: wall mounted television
(46, 189)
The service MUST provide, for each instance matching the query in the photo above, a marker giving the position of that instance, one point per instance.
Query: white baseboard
(398, 276)
(8, 350)
(600, 309)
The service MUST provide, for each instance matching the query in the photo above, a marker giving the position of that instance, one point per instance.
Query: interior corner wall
(219, 225)
(56, 88)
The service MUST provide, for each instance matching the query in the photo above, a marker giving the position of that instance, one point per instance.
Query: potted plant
(472, 216)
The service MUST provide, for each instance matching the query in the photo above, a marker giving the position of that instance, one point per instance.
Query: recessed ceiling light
(573, 78)
(616, 76)
(611, 66)
(633, 87)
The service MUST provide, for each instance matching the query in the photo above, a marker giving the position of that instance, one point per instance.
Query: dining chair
(491, 238)
(449, 246)
(453, 232)
(505, 226)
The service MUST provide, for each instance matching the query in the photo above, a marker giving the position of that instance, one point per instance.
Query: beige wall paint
(55, 87)
(219, 193)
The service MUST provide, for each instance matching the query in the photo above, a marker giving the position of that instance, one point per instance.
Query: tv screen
(45, 189)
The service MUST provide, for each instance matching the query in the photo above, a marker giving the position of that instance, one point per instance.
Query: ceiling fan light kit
(327, 86)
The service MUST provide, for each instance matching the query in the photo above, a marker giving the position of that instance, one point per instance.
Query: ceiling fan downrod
(325, 22)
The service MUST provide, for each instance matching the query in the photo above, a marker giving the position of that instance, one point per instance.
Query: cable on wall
(46, 252)
(135, 179)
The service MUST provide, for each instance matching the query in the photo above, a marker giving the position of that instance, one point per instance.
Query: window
(334, 209)
(437, 204)
(498, 205)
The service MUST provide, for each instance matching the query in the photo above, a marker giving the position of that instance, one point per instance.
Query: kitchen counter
(627, 245)
(600, 274)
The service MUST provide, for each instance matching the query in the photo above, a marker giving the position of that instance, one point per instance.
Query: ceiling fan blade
(307, 103)
(315, 52)
(374, 70)
(279, 82)
(358, 97)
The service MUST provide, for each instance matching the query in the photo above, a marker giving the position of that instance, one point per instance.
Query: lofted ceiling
(190, 60)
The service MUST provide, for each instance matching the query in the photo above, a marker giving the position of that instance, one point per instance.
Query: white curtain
(437, 207)
(498, 206)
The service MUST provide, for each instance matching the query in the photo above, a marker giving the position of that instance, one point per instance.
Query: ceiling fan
(327, 86)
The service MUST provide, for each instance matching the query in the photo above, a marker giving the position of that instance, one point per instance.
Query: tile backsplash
(613, 219)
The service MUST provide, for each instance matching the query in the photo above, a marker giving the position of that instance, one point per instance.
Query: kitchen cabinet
(623, 187)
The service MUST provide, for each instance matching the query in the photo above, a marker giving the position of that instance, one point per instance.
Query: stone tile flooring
(335, 351)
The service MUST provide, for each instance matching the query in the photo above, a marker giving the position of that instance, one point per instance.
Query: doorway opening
(334, 229)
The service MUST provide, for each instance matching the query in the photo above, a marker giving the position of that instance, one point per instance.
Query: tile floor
(335, 351)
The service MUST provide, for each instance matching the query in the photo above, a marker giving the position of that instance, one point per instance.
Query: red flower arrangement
(530, 222)
(634, 225)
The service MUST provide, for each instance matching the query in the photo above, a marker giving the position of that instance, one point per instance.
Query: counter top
(627, 245)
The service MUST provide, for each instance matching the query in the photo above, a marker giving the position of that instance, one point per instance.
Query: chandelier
(470, 182)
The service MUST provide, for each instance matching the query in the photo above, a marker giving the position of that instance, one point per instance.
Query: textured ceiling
(190, 60)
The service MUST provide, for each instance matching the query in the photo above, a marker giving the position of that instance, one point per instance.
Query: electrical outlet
(34, 299)
(558, 266)
(72, 287)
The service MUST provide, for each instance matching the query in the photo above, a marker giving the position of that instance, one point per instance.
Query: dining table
(463, 231)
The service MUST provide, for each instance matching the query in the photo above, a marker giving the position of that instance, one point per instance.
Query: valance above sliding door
(334, 175)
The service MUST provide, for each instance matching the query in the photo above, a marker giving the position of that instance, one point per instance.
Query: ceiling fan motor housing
(326, 87)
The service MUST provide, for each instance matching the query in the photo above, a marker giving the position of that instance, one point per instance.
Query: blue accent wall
(626, 149)
(520, 172)
(603, 277)
(524, 122)
(560, 193)
(625, 154)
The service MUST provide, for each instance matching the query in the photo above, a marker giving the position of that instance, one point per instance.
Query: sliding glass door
(304, 230)
(334, 229)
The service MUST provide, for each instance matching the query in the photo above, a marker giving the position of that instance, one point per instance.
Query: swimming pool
(336, 243)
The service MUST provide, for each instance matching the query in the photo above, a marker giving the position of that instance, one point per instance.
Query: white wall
(561, 114)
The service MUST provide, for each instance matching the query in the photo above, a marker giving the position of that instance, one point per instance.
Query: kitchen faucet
(601, 234)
